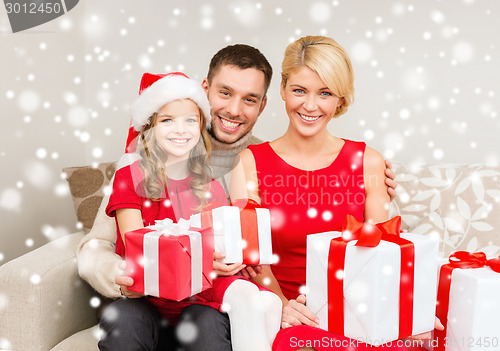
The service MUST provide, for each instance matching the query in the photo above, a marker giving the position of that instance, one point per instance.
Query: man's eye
(251, 100)
(225, 93)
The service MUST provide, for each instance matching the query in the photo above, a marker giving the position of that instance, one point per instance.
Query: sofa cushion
(458, 203)
(85, 340)
(87, 185)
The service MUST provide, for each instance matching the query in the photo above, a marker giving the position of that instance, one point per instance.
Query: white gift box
(372, 285)
(229, 236)
(474, 311)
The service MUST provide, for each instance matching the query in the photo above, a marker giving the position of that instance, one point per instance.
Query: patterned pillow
(458, 203)
(87, 186)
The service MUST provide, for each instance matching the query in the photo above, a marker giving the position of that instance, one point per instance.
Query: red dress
(301, 203)
(180, 202)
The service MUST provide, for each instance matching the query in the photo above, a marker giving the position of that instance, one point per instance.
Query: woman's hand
(224, 269)
(251, 271)
(296, 313)
(427, 335)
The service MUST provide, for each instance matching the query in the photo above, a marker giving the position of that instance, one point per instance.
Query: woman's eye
(299, 91)
(326, 93)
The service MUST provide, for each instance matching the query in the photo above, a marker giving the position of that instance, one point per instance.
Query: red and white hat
(155, 91)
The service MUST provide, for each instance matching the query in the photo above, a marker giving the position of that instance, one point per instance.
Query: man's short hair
(242, 56)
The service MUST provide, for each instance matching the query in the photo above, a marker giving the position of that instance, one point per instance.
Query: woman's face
(177, 128)
(310, 105)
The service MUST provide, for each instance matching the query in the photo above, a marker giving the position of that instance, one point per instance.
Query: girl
(168, 177)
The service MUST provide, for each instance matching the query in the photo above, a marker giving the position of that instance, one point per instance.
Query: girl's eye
(192, 120)
(166, 120)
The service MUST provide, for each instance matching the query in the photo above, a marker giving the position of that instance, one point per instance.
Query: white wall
(427, 76)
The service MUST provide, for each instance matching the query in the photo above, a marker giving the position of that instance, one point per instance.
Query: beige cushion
(458, 203)
(85, 340)
(87, 189)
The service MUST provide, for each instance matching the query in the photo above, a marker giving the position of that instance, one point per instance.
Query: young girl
(170, 179)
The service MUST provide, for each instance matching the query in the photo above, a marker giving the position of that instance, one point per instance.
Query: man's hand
(224, 269)
(124, 283)
(390, 180)
(296, 313)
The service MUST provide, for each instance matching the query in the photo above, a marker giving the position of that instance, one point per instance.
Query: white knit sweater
(98, 264)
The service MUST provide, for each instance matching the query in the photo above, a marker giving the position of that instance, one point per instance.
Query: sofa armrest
(42, 298)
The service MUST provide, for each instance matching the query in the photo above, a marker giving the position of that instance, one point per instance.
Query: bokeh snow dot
(187, 332)
(29, 101)
(78, 116)
(29, 242)
(38, 174)
(11, 199)
(361, 51)
(463, 52)
(97, 152)
(312, 212)
(246, 13)
(41, 153)
(95, 301)
(320, 12)
(35, 279)
(438, 154)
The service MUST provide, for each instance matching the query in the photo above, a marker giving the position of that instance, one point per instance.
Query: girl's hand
(390, 180)
(296, 313)
(224, 269)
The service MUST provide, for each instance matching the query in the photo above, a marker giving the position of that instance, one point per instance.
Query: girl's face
(309, 103)
(177, 128)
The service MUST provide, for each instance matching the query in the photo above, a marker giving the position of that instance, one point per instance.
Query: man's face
(237, 99)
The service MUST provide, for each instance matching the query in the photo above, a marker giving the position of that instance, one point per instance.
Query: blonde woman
(309, 178)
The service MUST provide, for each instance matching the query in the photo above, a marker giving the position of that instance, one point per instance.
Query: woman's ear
(341, 102)
(282, 91)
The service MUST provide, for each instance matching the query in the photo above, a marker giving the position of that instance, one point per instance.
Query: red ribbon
(369, 235)
(249, 229)
(462, 260)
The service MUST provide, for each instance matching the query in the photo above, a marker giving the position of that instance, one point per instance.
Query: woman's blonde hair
(154, 158)
(328, 59)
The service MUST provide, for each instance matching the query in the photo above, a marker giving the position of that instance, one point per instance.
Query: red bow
(370, 235)
(459, 259)
(367, 234)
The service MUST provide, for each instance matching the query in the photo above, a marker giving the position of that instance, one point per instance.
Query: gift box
(371, 283)
(169, 260)
(242, 231)
(468, 303)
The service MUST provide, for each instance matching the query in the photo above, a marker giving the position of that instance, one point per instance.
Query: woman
(308, 173)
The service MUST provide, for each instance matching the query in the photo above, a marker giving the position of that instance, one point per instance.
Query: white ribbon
(151, 254)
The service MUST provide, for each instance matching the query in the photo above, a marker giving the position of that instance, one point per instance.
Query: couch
(44, 305)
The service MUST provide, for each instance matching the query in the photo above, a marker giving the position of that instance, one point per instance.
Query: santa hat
(155, 91)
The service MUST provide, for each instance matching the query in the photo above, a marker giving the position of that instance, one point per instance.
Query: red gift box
(169, 260)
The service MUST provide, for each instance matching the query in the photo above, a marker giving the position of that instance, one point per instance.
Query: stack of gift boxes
(369, 282)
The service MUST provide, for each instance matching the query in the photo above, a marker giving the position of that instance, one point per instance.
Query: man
(237, 82)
